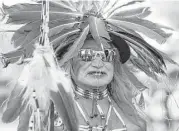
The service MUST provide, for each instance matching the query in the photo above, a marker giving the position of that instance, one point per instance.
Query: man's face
(94, 73)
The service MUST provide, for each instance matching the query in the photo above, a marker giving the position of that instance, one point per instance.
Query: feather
(76, 46)
(166, 57)
(139, 85)
(156, 61)
(143, 68)
(30, 37)
(109, 5)
(62, 6)
(139, 12)
(28, 16)
(50, 83)
(119, 5)
(13, 56)
(63, 103)
(98, 29)
(117, 28)
(55, 42)
(145, 27)
(135, 7)
(21, 33)
(57, 29)
(17, 42)
(54, 6)
(24, 120)
(61, 48)
(15, 103)
(103, 6)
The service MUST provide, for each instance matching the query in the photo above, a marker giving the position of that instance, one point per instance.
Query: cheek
(109, 68)
(79, 68)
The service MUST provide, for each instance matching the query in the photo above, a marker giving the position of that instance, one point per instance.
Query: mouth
(97, 74)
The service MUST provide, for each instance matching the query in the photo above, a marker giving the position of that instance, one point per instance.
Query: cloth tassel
(142, 101)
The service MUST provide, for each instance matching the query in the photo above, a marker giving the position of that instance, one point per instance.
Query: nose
(97, 62)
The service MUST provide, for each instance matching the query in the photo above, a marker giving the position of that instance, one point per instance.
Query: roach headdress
(119, 22)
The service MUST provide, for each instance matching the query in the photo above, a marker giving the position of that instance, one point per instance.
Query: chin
(98, 83)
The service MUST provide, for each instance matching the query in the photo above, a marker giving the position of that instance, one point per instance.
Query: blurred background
(161, 101)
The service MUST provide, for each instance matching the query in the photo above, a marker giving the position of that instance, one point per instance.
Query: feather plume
(47, 80)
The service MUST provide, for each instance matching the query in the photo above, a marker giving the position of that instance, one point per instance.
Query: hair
(121, 91)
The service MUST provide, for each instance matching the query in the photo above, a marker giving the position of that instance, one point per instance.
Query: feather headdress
(106, 20)
(119, 22)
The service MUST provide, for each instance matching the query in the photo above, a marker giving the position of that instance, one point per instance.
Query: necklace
(95, 96)
(98, 95)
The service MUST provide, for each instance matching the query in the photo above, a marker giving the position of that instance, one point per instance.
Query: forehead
(91, 44)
